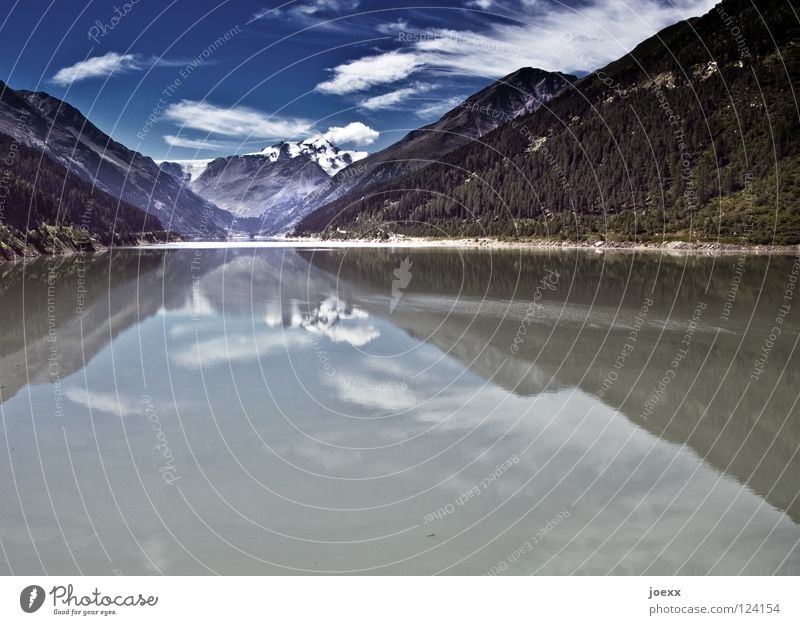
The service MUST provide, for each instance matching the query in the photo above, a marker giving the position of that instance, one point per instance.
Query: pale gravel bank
(703, 247)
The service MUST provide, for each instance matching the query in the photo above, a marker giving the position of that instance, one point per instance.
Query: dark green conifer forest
(691, 136)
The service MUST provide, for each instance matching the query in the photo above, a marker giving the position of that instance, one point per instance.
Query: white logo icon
(402, 278)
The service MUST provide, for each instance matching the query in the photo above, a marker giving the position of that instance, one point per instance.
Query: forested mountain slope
(68, 138)
(694, 135)
(46, 209)
(519, 93)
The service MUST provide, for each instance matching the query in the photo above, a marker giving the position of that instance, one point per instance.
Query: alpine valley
(264, 193)
(676, 140)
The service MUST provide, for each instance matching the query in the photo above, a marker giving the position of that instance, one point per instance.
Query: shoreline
(60, 242)
(704, 247)
(598, 247)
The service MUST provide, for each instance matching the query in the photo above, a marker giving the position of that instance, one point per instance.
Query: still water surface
(274, 410)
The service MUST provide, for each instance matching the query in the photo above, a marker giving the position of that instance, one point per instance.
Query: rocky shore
(711, 247)
(61, 240)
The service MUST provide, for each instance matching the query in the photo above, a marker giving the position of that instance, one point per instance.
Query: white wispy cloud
(481, 4)
(196, 144)
(392, 28)
(558, 38)
(392, 98)
(354, 132)
(110, 403)
(98, 66)
(235, 347)
(112, 63)
(315, 7)
(308, 12)
(370, 71)
(437, 108)
(236, 121)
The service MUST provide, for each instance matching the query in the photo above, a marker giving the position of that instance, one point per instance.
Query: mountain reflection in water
(279, 410)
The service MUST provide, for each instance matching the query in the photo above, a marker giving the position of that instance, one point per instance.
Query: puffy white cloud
(370, 71)
(98, 66)
(243, 122)
(355, 132)
(363, 388)
(236, 121)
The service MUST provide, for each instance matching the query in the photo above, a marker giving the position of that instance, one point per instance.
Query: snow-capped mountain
(186, 171)
(267, 187)
(318, 149)
(271, 190)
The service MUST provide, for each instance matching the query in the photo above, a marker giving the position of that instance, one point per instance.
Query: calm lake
(278, 410)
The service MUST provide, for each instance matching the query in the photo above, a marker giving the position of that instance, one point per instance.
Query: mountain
(45, 209)
(449, 305)
(272, 190)
(693, 134)
(317, 149)
(268, 187)
(522, 92)
(71, 140)
(95, 301)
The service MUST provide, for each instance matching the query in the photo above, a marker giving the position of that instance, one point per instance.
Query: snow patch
(318, 149)
(191, 169)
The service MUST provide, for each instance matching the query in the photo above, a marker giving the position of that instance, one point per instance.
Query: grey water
(285, 410)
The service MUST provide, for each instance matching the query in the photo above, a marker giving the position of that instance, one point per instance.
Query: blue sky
(184, 79)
